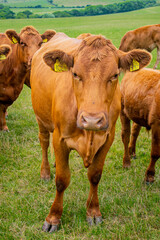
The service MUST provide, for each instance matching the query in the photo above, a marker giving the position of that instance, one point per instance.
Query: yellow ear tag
(45, 40)
(58, 67)
(134, 66)
(2, 57)
(14, 40)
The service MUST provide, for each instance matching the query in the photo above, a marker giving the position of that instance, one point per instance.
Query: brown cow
(76, 95)
(14, 69)
(141, 104)
(5, 51)
(147, 37)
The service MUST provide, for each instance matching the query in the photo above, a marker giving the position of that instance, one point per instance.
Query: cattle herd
(76, 96)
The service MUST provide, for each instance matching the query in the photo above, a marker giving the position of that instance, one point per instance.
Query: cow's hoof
(5, 129)
(133, 156)
(45, 177)
(94, 220)
(90, 221)
(126, 165)
(47, 227)
(149, 180)
(98, 220)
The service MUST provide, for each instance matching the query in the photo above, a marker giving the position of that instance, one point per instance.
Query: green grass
(130, 208)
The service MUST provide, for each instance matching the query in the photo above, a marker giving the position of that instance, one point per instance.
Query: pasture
(130, 208)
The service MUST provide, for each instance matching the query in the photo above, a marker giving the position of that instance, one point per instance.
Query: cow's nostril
(83, 119)
(100, 121)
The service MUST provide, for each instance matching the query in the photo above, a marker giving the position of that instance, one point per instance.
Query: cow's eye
(75, 76)
(115, 76)
(23, 44)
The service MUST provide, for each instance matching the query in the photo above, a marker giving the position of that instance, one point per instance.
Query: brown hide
(80, 106)
(16, 67)
(141, 104)
(147, 37)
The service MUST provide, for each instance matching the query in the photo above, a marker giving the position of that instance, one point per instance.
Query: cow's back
(144, 38)
(138, 91)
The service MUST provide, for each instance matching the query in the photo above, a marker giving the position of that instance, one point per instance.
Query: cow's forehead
(29, 37)
(96, 49)
(102, 60)
(29, 33)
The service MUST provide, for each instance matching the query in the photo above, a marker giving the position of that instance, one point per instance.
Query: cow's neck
(87, 143)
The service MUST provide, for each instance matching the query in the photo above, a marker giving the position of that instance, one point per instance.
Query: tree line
(89, 10)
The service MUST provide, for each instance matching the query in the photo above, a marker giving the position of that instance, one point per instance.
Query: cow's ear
(47, 35)
(13, 36)
(5, 51)
(133, 60)
(58, 60)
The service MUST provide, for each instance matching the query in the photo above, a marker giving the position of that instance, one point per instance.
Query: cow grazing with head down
(141, 104)
(14, 69)
(147, 37)
(76, 95)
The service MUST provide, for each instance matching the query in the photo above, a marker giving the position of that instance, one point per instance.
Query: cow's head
(5, 51)
(28, 42)
(95, 69)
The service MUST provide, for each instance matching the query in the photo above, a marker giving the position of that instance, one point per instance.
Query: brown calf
(14, 69)
(76, 95)
(147, 37)
(141, 104)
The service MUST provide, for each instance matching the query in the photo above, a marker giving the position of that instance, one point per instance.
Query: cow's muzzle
(94, 122)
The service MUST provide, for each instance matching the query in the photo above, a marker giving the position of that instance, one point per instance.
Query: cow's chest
(87, 143)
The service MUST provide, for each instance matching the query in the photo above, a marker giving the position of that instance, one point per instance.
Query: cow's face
(28, 42)
(95, 69)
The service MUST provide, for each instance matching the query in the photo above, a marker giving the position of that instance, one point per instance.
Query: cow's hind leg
(155, 154)
(3, 125)
(125, 138)
(62, 181)
(44, 141)
(94, 215)
(158, 58)
(134, 135)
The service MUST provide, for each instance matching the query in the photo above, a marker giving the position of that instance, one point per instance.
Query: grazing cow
(147, 37)
(141, 104)
(5, 51)
(76, 95)
(14, 69)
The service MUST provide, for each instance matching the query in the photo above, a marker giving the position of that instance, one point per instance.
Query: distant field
(41, 10)
(112, 26)
(85, 2)
(130, 208)
(22, 3)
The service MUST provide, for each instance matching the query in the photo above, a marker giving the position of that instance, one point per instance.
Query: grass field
(130, 209)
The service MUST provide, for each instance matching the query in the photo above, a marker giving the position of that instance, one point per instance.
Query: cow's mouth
(93, 122)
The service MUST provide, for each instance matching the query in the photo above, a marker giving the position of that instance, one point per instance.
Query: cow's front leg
(134, 135)
(125, 138)
(155, 154)
(62, 180)
(3, 124)
(94, 175)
